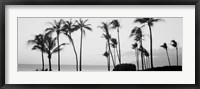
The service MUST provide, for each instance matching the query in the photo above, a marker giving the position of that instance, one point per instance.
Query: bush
(125, 67)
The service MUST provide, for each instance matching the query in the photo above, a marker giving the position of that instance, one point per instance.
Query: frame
(99, 2)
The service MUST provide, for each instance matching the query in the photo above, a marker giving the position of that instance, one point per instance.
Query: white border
(187, 76)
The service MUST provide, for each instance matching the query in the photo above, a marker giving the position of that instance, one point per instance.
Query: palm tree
(38, 42)
(81, 24)
(149, 22)
(56, 27)
(114, 45)
(137, 33)
(165, 47)
(106, 54)
(107, 36)
(116, 25)
(50, 47)
(68, 29)
(174, 44)
(134, 46)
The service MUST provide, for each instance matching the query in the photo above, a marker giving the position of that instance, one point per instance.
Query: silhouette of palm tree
(137, 34)
(68, 29)
(38, 42)
(50, 47)
(81, 24)
(107, 36)
(116, 25)
(106, 54)
(174, 44)
(149, 22)
(114, 45)
(56, 27)
(165, 47)
(134, 46)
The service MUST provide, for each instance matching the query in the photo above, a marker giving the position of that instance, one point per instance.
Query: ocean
(33, 67)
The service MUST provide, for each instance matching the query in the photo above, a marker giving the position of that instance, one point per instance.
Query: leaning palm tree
(174, 44)
(68, 29)
(56, 27)
(134, 46)
(116, 25)
(38, 42)
(165, 47)
(149, 22)
(81, 24)
(107, 36)
(50, 48)
(137, 34)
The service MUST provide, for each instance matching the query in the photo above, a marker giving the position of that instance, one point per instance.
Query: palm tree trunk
(151, 49)
(58, 52)
(110, 52)
(75, 54)
(142, 56)
(42, 61)
(119, 46)
(136, 54)
(114, 55)
(168, 57)
(144, 63)
(138, 59)
(49, 56)
(81, 50)
(117, 54)
(108, 58)
(177, 54)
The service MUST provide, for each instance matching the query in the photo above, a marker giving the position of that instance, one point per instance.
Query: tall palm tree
(50, 48)
(137, 34)
(81, 24)
(174, 44)
(106, 54)
(149, 22)
(68, 29)
(114, 45)
(165, 47)
(116, 25)
(38, 42)
(134, 46)
(107, 36)
(56, 27)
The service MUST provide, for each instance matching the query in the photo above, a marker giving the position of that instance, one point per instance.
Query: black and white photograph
(101, 44)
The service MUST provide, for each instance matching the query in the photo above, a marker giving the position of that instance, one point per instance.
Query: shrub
(125, 67)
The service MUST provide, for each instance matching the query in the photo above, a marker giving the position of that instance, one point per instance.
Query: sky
(94, 45)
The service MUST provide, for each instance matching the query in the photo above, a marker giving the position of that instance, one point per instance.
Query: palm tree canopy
(115, 24)
(56, 27)
(134, 45)
(38, 42)
(137, 32)
(106, 54)
(105, 27)
(82, 24)
(114, 41)
(174, 43)
(149, 21)
(164, 46)
(69, 27)
(50, 45)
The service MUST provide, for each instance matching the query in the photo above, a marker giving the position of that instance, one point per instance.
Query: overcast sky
(94, 44)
